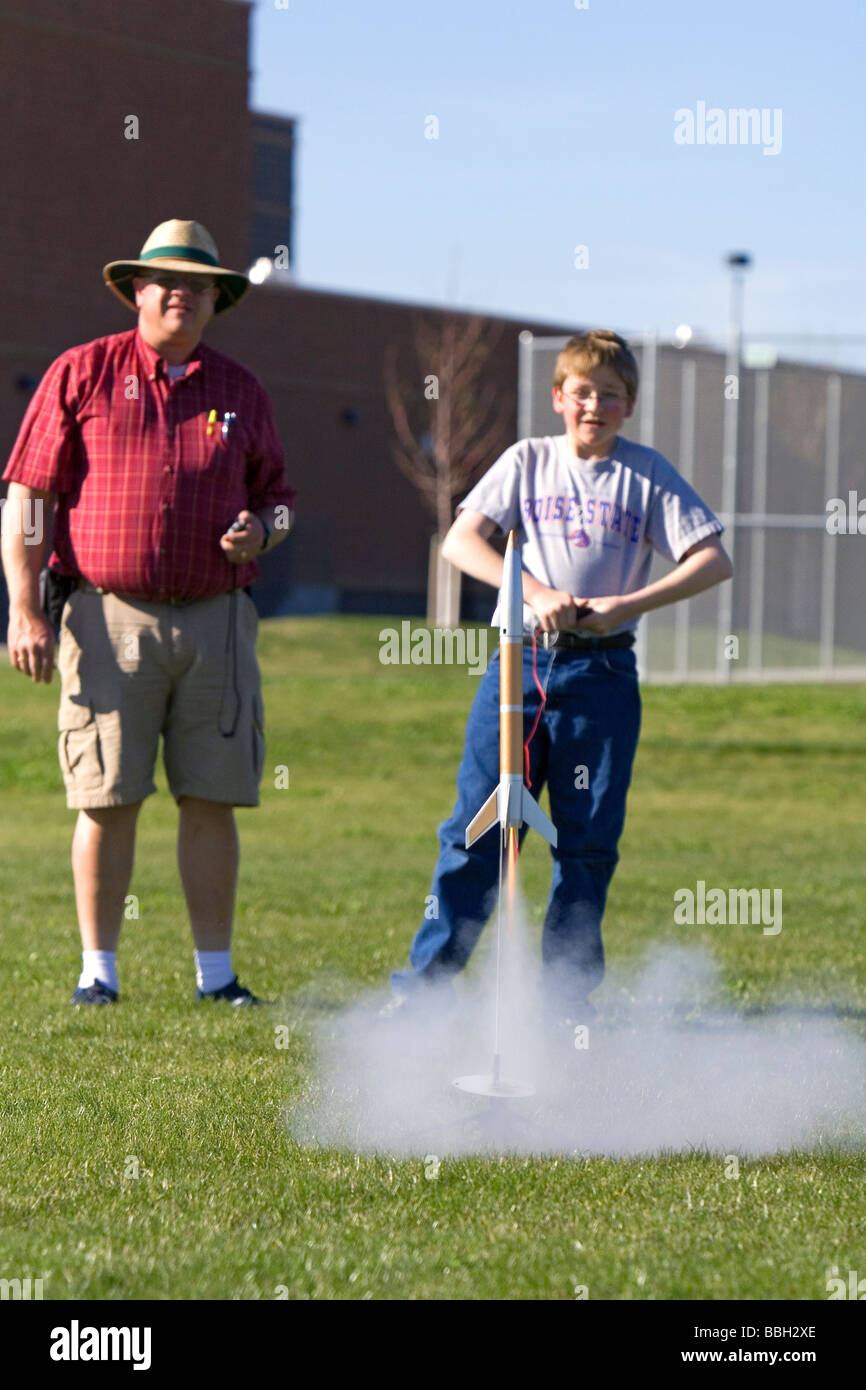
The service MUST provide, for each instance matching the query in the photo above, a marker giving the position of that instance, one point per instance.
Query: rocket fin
(533, 815)
(482, 821)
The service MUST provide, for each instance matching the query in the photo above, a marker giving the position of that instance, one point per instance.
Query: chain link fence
(776, 448)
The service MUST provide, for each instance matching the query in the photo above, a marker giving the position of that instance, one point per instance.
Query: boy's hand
(602, 615)
(556, 610)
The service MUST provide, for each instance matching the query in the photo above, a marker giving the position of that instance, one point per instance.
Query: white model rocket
(510, 805)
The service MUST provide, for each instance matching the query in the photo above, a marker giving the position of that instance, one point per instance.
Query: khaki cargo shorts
(131, 670)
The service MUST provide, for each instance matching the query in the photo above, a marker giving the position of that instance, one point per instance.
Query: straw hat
(177, 245)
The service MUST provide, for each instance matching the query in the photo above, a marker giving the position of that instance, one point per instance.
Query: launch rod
(497, 1003)
(508, 852)
(510, 761)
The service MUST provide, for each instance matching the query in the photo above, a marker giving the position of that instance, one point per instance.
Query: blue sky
(556, 130)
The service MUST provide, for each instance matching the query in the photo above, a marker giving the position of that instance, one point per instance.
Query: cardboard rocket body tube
(510, 805)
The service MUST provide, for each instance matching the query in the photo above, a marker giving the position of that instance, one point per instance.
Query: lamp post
(738, 263)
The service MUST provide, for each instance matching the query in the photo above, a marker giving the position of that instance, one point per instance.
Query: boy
(589, 507)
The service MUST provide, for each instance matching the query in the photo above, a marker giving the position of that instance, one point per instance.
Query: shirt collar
(155, 365)
(596, 466)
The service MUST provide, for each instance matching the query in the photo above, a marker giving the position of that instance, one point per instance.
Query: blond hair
(598, 347)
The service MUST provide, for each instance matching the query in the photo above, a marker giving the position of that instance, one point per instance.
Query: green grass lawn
(144, 1148)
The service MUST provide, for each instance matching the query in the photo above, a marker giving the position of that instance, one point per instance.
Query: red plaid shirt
(143, 491)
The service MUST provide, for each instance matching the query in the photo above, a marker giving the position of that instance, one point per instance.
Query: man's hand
(31, 643)
(242, 546)
(602, 615)
(556, 610)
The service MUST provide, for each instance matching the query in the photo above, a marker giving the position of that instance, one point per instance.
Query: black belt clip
(54, 590)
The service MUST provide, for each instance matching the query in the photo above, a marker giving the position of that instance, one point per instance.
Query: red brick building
(119, 116)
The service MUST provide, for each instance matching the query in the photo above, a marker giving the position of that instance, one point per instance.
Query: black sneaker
(233, 994)
(97, 993)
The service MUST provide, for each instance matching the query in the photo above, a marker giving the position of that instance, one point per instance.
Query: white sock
(98, 965)
(213, 969)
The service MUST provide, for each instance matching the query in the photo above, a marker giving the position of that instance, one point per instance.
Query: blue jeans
(591, 721)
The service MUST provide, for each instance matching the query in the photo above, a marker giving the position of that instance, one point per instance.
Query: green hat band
(186, 253)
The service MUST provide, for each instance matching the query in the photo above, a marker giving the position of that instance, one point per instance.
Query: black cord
(231, 643)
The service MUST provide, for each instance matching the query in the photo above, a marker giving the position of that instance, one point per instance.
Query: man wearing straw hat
(169, 481)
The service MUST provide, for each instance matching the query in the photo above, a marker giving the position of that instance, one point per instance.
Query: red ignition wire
(542, 692)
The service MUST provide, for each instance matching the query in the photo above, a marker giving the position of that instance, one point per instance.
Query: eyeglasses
(196, 284)
(584, 394)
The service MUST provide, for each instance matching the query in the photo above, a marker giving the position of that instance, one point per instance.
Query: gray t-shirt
(590, 528)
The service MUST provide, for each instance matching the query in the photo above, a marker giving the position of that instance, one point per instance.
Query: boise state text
(597, 511)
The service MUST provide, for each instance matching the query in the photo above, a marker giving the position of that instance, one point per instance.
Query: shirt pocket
(214, 454)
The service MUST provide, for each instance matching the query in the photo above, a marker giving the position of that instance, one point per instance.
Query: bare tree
(451, 424)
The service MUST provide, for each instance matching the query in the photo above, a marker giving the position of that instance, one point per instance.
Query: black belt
(569, 641)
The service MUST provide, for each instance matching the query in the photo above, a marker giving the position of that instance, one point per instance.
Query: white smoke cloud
(667, 1067)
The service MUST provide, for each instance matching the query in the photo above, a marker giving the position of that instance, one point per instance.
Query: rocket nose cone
(511, 593)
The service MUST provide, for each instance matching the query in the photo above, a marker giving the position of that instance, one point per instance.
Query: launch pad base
(497, 1126)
